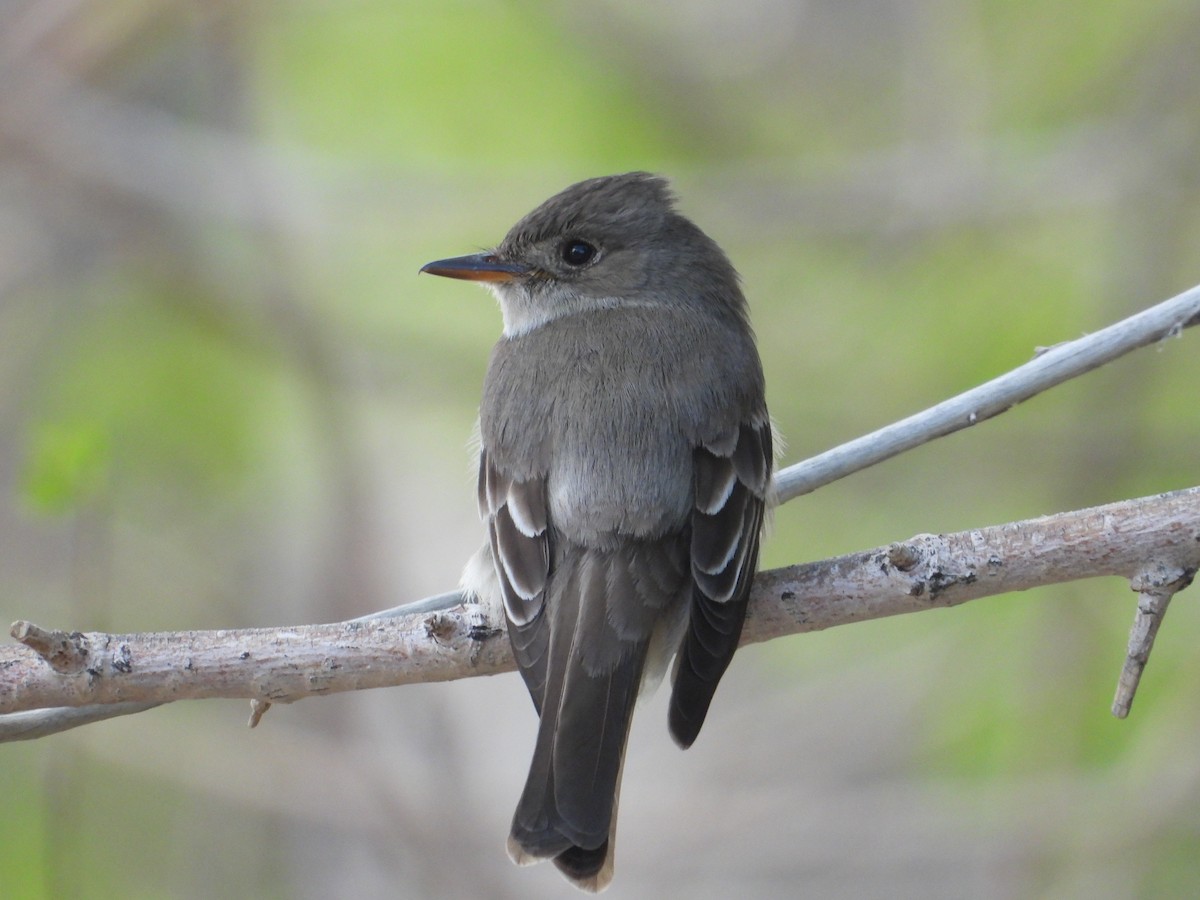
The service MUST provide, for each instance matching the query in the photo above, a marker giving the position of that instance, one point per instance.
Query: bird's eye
(578, 253)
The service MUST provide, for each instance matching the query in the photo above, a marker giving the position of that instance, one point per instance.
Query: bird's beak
(479, 267)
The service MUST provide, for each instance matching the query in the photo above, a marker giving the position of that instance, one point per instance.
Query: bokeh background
(226, 400)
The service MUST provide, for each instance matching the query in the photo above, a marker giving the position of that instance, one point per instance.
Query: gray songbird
(624, 467)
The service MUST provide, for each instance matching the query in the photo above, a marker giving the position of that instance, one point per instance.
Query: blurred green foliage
(350, 85)
(149, 390)
(68, 465)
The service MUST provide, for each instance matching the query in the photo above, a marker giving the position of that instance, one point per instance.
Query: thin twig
(1051, 367)
(40, 723)
(1156, 584)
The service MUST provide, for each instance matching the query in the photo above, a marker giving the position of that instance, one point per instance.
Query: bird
(625, 464)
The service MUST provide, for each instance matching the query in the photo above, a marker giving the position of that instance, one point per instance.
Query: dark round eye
(578, 253)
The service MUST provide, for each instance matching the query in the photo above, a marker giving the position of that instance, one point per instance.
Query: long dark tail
(567, 811)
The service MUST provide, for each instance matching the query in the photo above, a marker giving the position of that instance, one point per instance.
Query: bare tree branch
(61, 680)
(288, 664)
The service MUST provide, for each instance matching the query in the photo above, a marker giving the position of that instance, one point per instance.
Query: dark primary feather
(724, 553)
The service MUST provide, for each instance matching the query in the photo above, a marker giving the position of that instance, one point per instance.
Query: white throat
(522, 314)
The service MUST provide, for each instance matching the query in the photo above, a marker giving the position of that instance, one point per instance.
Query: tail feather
(567, 811)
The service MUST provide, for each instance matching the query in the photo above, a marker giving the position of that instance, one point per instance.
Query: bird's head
(602, 243)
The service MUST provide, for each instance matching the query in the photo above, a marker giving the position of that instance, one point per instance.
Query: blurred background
(226, 399)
